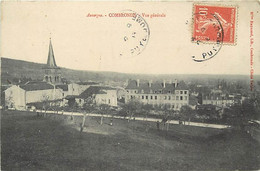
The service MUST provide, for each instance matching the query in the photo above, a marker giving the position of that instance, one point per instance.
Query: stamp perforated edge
(217, 5)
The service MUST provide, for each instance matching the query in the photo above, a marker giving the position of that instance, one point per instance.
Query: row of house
(221, 99)
(174, 94)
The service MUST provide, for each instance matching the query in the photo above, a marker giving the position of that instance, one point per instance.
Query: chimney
(163, 83)
(138, 82)
(150, 83)
(175, 83)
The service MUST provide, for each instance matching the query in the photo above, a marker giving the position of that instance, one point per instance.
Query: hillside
(13, 70)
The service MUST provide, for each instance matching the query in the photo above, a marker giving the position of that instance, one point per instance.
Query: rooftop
(217, 96)
(87, 83)
(157, 86)
(64, 87)
(94, 90)
(36, 85)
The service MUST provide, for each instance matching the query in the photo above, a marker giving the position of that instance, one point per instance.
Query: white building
(20, 97)
(218, 99)
(173, 94)
(99, 95)
(77, 88)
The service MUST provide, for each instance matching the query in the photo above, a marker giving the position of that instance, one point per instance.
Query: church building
(49, 90)
(53, 92)
(52, 71)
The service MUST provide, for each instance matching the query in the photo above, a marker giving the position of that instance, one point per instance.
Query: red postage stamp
(208, 20)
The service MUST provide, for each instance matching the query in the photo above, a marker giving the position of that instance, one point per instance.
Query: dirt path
(217, 126)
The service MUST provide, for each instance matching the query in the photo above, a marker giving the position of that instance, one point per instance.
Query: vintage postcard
(130, 85)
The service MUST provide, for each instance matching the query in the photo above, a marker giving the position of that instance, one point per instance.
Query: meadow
(54, 142)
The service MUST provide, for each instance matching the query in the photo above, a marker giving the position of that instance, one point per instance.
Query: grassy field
(51, 143)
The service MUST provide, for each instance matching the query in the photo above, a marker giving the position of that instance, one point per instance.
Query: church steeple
(51, 60)
(52, 71)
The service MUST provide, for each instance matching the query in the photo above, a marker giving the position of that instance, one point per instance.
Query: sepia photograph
(130, 85)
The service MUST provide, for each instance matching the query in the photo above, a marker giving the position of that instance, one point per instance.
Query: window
(177, 97)
(181, 92)
(142, 97)
(169, 91)
(155, 91)
(79, 100)
(146, 97)
(108, 101)
(177, 92)
(185, 92)
(151, 97)
(165, 97)
(131, 97)
(135, 91)
(185, 97)
(63, 94)
(169, 98)
(155, 97)
(127, 91)
(160, 91)
(181, 98)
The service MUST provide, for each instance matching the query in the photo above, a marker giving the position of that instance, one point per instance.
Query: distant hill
(12, 70)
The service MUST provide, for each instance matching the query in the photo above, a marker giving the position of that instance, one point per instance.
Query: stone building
(99, 95)
(173, 94)
(51, 89)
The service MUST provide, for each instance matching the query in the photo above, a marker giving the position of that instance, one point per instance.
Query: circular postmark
(134, 34)
(208, 34)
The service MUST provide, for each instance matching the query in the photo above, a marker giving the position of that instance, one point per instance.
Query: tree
(146, 108)
(239, 114)
(9, 101)
(186, 113)
(88, 107)
(45, 99)
(168, 115)
(132, 107)
(104, 108)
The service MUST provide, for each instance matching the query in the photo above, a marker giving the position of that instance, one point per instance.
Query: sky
(90, 43)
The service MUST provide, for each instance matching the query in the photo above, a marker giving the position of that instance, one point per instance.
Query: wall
(173, 100)
(41, 95)
(219, 103)
(110, 98)
(15, 97)
(76, 89)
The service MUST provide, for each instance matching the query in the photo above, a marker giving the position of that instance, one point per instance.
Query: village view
(162, 110)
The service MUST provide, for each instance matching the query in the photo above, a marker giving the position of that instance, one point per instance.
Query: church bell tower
(52, 71)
